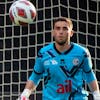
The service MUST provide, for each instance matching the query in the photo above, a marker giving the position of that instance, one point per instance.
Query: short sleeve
(89, 75)
(38, 67)
(87, 61)
(37, 70)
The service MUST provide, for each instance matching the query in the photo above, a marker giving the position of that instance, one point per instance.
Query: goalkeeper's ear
(72, 32)
(52, 32)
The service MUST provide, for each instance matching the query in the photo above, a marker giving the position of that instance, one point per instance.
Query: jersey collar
(65, 51)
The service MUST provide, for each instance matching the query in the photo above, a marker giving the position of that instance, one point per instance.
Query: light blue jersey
(64, 73)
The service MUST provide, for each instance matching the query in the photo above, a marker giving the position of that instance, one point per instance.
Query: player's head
(62, 30)
(67, 20)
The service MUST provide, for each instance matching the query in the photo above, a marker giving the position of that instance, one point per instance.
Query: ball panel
(21, 12)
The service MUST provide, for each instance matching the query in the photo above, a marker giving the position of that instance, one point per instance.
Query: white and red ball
(22, 12)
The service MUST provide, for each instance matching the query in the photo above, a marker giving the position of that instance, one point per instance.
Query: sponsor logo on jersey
(48, 62)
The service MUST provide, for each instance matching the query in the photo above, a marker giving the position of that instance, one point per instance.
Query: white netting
(19, 45)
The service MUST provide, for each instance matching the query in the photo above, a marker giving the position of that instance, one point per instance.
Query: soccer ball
(22, 12)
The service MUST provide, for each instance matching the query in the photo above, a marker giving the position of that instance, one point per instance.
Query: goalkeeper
(65, 67)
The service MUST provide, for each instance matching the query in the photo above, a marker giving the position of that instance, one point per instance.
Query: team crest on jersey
(75, 61)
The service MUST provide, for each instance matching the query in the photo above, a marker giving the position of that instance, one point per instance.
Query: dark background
(19, 44)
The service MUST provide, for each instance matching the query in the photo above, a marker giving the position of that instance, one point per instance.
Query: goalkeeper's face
(62, 33)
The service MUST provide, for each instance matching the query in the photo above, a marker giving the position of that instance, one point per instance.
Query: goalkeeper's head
(62, 31)
(68, 20)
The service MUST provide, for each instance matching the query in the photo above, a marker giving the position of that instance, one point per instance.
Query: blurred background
(19, 44)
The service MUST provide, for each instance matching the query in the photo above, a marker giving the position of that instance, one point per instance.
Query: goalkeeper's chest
(63, 63)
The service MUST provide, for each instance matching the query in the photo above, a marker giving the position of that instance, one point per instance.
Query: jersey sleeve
(37, 70)
(87, 67)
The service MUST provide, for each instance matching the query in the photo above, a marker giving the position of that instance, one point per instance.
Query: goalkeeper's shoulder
(47, 47)
(80, 47)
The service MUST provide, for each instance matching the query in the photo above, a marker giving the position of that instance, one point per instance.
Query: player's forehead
(61, 24)
(63, 20)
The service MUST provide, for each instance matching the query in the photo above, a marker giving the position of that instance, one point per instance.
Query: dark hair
(67, 20)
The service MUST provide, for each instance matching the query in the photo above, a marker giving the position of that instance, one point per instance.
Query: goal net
(19, 44)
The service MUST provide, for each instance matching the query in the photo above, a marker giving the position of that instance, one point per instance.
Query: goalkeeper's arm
(30, 86)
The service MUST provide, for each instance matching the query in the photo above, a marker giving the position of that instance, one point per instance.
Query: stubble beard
(62, 43)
